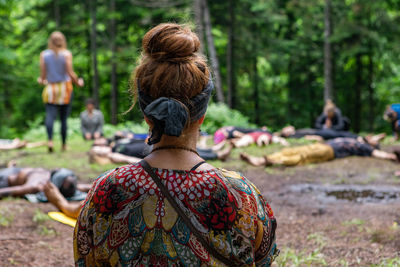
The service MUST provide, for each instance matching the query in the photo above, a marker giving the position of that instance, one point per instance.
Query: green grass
(394, 262)
(6, 218)
(354, 221)
(289, 257)
(39, 217)
(76, 158)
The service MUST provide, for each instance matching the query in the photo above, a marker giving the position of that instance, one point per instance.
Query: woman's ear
(148, 121)
(201, 120)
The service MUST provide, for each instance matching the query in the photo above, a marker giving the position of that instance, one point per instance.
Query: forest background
(275, 61)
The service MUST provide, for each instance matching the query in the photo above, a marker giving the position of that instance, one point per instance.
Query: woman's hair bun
(170, 42)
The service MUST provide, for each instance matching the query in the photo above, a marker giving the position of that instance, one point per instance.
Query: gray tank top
(56, 70)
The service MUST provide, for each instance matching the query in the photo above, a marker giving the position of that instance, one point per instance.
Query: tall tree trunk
(328, 86)
(88, 68)
(93, 47)
(114, 87)
(212, 52)
(357, 100)
(57, 16)
(371, 98)
(230, 61)
(256, 96)
(198, 18)
(313, 113)
(291, 70)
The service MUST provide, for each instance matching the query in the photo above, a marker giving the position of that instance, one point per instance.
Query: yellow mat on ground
(62, 218)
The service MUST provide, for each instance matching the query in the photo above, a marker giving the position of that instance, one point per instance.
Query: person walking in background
(331, 118)
(57, 74)
(172, 208)
(92, 121)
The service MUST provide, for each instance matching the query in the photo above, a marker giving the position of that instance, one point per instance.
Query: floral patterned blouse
(126, 221)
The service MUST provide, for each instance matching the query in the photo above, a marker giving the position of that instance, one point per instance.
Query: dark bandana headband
(169, 115)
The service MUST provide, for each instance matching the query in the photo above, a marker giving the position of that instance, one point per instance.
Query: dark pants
(51, 115)
(326, 134)
(207, 154)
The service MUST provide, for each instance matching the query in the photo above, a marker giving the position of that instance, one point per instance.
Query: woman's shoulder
(110, 187)
(115, 175)
(247, 193)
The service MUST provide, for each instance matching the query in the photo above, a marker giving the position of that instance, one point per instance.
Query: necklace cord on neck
(175, 147)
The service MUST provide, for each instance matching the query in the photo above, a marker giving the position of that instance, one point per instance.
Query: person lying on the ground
(331, 118)
(260, 138)
(230, 132)
(321, 152)
(92, 121)
(392, 115)
(219, 151)
(133, 150)
(17, 182)
(118, 135)
(122, 151)
(55, 197)
(314, 134)
(9, 144)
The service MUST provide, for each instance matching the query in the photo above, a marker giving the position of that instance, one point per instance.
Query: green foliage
(37, 130)
(278, 49)
(219, 115)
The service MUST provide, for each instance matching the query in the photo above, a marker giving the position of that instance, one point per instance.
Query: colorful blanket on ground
(62, 218)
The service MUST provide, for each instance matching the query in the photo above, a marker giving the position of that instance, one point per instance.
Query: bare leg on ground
(224, 154)
(253, 160)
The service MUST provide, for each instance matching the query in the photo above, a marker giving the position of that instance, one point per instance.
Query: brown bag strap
(184, 217)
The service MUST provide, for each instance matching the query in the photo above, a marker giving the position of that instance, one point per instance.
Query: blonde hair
(329, 106)
(57, 41)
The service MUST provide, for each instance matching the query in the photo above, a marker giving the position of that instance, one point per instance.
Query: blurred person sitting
(331, 118)
(92, 121)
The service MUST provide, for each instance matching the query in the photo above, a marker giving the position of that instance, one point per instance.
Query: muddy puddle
(351, 193)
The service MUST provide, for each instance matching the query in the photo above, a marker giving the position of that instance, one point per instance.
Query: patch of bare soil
(342, 232)
(29, 238)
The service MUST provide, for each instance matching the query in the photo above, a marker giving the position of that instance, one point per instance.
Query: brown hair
(170, 65)
(57, 41)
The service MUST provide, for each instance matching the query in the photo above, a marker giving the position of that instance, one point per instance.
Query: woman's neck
(186, 140)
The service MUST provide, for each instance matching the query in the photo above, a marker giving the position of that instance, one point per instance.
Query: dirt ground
(312, 231)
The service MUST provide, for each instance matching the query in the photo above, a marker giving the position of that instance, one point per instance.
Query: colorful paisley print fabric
(126, 221)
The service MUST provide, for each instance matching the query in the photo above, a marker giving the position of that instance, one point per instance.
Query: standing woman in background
(57, 74)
